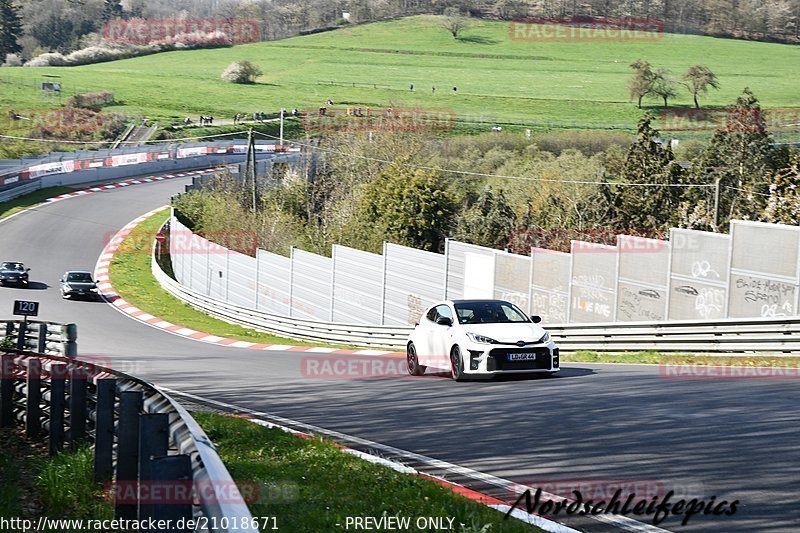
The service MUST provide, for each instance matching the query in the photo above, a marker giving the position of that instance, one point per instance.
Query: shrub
(241, 72)
(12, 60)
(50, 59)
(93, 101)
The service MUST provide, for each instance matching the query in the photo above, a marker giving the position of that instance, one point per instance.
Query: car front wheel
(414, 368)
(456, 364)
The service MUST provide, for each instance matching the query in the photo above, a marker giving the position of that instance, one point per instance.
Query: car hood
(78, 286)
(508, 333)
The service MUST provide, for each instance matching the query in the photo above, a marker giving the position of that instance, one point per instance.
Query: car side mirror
(27, 270)
(444, 321)
(536, 319)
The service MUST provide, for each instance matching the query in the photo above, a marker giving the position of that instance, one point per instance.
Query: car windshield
(80, 277)
(487, 312)
(12, 266)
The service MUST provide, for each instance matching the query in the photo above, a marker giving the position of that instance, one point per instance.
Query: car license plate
(522, 357)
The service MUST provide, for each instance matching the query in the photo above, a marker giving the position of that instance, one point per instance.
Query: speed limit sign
(26, 308)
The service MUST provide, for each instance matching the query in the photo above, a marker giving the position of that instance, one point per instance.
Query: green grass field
(542, 84)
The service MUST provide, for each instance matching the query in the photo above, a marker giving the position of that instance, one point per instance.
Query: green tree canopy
(645, 199)
(10, 29)
(488, 220)
(409, 207)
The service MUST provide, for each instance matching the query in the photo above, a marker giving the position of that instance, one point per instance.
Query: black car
(13, 273)
(79, 284)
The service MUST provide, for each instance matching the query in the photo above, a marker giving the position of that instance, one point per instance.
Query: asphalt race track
(733, 439)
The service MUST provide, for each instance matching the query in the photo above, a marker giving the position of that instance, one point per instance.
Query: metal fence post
(41, 344)
(77, 406)
(130, 405)
(33, 400)
(23, 329)
(58, 375)
(104, 429)
(153, 443)
(71, 346)
(176, 472)
(7, 391)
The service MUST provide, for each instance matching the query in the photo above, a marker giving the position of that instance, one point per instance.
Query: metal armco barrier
(776, 335)
(141, 437)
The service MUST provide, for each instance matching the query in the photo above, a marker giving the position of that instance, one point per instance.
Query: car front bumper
(92, 295)
(510, 359)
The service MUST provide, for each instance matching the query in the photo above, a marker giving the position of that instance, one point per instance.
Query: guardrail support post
(130, 405)
(175, 471)
(41, 344)
(33, 400)
(7, 391)
(104, 430)
(77, 407)
(153, 444)
(23, 329)
(71, 346)
(58, 374)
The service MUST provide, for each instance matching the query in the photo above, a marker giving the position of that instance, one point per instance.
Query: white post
(281, 135)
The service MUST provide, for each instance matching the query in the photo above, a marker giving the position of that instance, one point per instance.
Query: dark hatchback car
(13, 273)
(79, 284)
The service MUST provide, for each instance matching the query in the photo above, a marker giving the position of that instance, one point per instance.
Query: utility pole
(250, 166)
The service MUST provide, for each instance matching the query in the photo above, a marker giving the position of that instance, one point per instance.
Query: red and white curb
(128, 309)
(128, 183)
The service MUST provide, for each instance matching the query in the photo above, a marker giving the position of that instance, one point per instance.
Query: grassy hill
(499, 80)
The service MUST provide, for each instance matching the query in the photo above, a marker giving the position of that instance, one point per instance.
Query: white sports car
(480, 338)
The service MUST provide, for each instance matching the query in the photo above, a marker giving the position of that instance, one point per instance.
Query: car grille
(498, 359)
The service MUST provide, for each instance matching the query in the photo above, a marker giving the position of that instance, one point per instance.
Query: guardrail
(777, 335)
(142, 438)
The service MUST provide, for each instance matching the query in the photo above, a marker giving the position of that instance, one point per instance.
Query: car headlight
(481, 339)
(545, 338)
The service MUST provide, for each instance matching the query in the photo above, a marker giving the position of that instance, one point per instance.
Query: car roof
(12, 262)
(77, 272)
(477, 301)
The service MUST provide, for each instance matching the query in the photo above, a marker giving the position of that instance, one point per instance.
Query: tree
(10, 29)
(736, 162)
(641, 83)
(639, 206)
(664, 86)
(410, 207)
(783, 205)
(112, 9)
(487, 221)
(243, 72)
(698, 79)
(454, 22)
